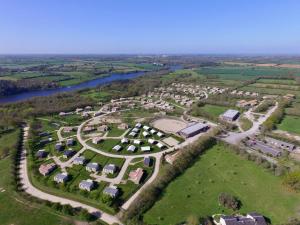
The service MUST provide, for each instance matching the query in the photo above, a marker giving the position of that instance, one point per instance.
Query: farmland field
(244, 72)
(290, 124)
(220, 170)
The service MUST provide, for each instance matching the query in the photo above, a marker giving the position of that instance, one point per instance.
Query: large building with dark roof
(193, 129)
(230, 115)
(249, 219)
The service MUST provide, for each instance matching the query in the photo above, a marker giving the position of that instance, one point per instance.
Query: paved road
(148, 182)
(235, 138)
(30, 189)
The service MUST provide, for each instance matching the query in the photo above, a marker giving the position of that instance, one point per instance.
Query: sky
(149, 27)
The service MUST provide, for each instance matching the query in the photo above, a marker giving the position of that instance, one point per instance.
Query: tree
(229, 201)
(292, 180)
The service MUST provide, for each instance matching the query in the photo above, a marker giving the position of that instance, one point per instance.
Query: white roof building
(124, 141)
(137, 142)
(145, 148)
(131, 148)
(117, 148)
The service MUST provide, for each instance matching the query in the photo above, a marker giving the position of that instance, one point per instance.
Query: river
(88, 84)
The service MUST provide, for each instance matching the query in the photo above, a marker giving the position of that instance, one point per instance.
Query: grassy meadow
(220, 170)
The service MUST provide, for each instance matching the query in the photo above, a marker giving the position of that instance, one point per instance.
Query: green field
(220, 170)
(290, 124)
(214, 110)
(15, 210)
(244, 72)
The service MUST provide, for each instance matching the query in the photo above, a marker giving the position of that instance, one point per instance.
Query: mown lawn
(214, 110)
(220, 170)
(290, 124)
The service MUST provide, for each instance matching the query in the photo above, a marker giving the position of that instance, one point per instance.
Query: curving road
(30, 189)
(235, 138)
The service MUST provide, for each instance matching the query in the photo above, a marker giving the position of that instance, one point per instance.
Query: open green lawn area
(243, 72)
(290, 124)
(214, 110)
(7, 142)
(114, 131)
(221, 170)
(277, 81)
(270, 91)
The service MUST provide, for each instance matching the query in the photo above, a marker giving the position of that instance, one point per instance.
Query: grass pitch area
(290, 124)
(221, 170)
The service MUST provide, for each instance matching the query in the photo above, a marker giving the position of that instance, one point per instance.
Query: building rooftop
(231, 113)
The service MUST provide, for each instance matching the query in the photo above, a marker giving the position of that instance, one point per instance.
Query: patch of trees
(186, 158)
(10, 87)
(15, 113)
(229, 201)
(276, 116)
(264, 106)
(292, 180)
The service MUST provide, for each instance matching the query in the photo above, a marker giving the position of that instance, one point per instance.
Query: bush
(229, 201)
(292, 180)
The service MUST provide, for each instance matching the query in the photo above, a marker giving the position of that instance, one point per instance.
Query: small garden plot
(290, 124)
(114, 131)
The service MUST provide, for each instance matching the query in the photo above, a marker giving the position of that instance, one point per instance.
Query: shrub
(229, 201)
(292, 180)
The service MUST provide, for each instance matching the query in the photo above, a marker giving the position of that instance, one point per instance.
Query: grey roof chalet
(93, 166)
(69, 153)
(86, 184)
(79, 160)
(110, 168)
(43, 134)
(44, 141)
(41, 153)
(61, 177)
(147, 161)
(70, 141)
(59, 146)
(135, 130)
(112, 191)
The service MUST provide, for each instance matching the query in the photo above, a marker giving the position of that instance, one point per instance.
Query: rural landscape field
(150, 112)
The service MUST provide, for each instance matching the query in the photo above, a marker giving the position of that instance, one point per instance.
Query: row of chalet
(244, 93)
(270, 146)
(161, 105)
(246, 104)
